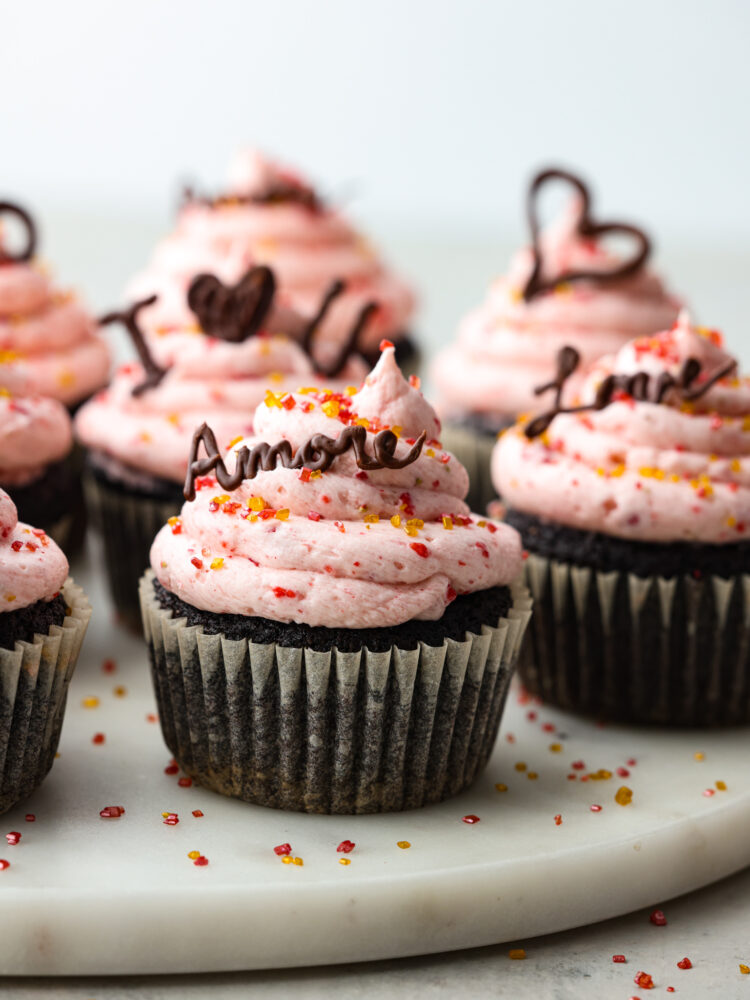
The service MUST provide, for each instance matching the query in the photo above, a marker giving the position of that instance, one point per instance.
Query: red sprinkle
(595, 809)
(558, 820)
(109, 666)
(185, 782)
(289, 403)
(618, 958)
(282, 849)
(304, 474)
(548, 727)
(420, 549)
(198, 813)
(30, 818)
(98, 738)
(201, 861)
(631, 762)
(644, 980)
(171, 769)
(470, 818)
(314, 516)
(658, 919)
(578, 765)
(346, 847)
(280, 592)
(198, 563)
(111, 812)
(4, 864)
(171, 819)
(685, 964)
(384, 344)
(16, 546)
(13, 837)
(623, 772)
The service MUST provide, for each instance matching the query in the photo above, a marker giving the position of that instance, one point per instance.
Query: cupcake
(216, 368)
(330, 629)
(269, 215)
(634, 506)
(48, 341)
(43, 619)
(36, 439)
(566, 288)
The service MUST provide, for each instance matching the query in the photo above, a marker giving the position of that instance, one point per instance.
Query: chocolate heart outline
(586, 227)
(232, 312)
(10, 208)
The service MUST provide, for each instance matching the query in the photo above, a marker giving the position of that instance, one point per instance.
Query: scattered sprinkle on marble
(708, 792)
(532, 775)
(120, 691)
(619, 959)
(185, 782)
(109, 666)
(90, 702)
(623, 796)
(520, 765)
(558, 820)
(548, 727)
(657, 918)
(555, 747)
(685, 963)
(152, 717)
(193, 855)
(201, 861)
(282, 849)
(631, 762)
(198, 813)
(721, 786)
(622, 772)
(403, 844)
(346, 847)
(744, 969)
(298, 861)
(517, 954)
(6, 864)
(578, 765)
(699, 756)
(644, 980)
(345, 861)
(595, 809)
(30, 818)
(112, 812)
(98, 739)
(501, 787)
(170, 819)
(470, 819)
(13, 837)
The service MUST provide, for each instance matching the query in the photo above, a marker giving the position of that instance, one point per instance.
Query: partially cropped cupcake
(239, 346)
(48, 340)
(634, 506)
(566, 288)
(269, 215)
(330, 629)
(36, 439)
(43, 619)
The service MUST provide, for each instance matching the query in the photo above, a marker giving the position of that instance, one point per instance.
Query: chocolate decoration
(640, 386)
(316, 453)
(129, 319)
(587, 228)
(27, 252)
(282, 192)
(232, 312)
(349, 346)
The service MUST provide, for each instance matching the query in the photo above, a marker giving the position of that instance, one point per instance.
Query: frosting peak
(388, 397)
(32, 567)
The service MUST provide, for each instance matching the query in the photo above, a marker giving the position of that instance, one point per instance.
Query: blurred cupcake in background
(48, 340)
(634, 506)
(565, 288)
(331, 629)
(269, 215)
(238, 348)
(43, 621)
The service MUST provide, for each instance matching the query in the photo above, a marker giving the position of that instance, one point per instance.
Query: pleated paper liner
(128, 525)
(34, 677)
(626, 648)
(473, 449)
(331, 732)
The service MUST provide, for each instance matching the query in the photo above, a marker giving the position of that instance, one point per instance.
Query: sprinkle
(331, 408)
(708, 792)
(595, 809)
(257, 503)
(658, 919)
(193, 855)
(470, 819)
(644, 980)
(501, 787)
(198, 813)
(578, 765)
(685, 963)
(721, 786)
(176, 525)
(385, 344)
(415, 382)
(198, 563)
(403, 844)
(345, 847)
(371, 518)
(30, 818)
(98, 738)
(420, 549)
(171, 819)
(272, 399)
(298, 861)
(618, 959)
(6, 864)
(91, 702)
(532, 775)
(601, 775)
(283, 514)
(520, 766)
(744, 969)
(447, 522)
(201, 861)
(109, 666)
(517, 954)
(152, 717)
(555, 747)
(623, 796)
(111, 812)
(558, 820)
(185, 782)
(286, 859)
(13, 837)
(313, 515)
(171, 768)
(396, 521)
(622, 772)
(119, 691)
(217, 563)
(345, 861)
(282, 849)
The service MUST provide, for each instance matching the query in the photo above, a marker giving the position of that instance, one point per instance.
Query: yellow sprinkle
(4, 392)
(397, 429)
(555, 747)
(344, 861)
(372, 518)
(735, 465)
(515, 294)
(331, 408)
(316, 474)
(623, 796)
(721, 786)
(165, 815)
(411, 532)
(362, 422)
(600, 471)
(448, 522)
(272, 399)
(517, 954)
(674, 478)
(563, 288)
(276, 377)
(731, 522)
(235, 441)
(283, 514)
(396, 520)
(10, 598)
(430, 452)
(217, 563)
(415, 522)
(257, 503)
(501, 787)
(297, 861)
(307, 389)
(403, 844)
(222, 498)
(193, 855)
(744, 969)
(66, 379)
(746, 423)
(520, 766)
(698, 755)
(286, 860)
(91, 702)
(619, 470)
(601, 775)
(172, 521)
(120, 691)
(532, 775)
(173, 418)
(350, 390)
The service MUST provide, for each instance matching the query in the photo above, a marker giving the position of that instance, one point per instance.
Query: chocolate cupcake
(330, 629)
(43, 620)
(240, 345)
(565, 288)
(269, 215)
(634, 506)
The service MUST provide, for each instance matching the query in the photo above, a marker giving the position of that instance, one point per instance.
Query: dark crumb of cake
(22, 625)
(606, 553)
(467, 613)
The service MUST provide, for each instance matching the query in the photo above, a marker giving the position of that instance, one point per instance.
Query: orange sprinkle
(283, 514)
(91, 702)
(298, 861)
(520, 766)
(623, 796)
(744, 969)
(517, 954)
(286, 860)
(532, 775)
(555, 747)
(501, 787)
(403, 844)
(699, 756)
(193, 855)
(721, 786)
(345, 861)
(120, 691)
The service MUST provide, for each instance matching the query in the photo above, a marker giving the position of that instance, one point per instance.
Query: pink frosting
(651, 472)
(507, 346)
(47, 339)
(34, 432)
(307, 248)
(208, 379)
(32, 567)
(345, 548)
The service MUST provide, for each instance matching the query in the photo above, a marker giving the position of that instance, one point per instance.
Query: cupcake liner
(473, 449)
(128, 525)
(34, 679)
(639, 649)
(330, 732)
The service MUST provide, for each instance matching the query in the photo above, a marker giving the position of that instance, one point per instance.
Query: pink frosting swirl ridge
(506, 347)
(308, 248)
(32, 567)
(47, 339)
(345, 547)
(34, 432)
(673, 471)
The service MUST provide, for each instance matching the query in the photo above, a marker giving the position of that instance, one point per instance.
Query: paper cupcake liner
(127, 525)
(644, 650)
(473, 449)
(330, 732)
(34, 679)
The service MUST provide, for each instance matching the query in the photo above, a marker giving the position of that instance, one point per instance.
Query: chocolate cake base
(331, 730)
(54, 502)
(22, 625)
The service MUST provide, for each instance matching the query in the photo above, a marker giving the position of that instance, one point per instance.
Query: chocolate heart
(587, 227)
(27, 252)
(232, 312)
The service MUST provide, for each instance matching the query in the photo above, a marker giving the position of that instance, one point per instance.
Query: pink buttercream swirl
(307, 248)
(34, 433)
(47, 338)
(32, 567)
(344, 547)
(678, 470)
(507, 346)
